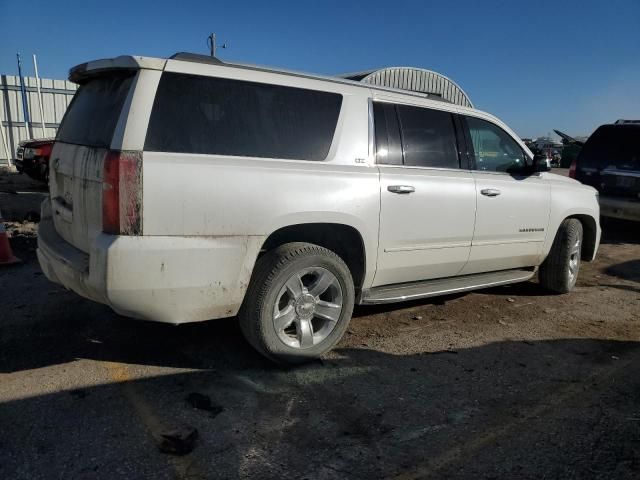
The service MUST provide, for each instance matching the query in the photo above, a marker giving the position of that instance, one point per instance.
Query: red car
(33, 158)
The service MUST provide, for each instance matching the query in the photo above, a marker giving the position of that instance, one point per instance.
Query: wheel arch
(589, 235)
(345, 240)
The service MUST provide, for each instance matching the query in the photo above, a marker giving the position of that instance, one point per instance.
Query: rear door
(512, 206)
(77, 158)
(427, 201)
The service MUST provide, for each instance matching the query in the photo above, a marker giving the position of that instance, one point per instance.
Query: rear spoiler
(81, 73)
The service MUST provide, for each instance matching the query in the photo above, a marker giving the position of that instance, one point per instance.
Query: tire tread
(554, 270)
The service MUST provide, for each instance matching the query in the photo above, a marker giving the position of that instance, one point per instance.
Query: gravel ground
(509, 382)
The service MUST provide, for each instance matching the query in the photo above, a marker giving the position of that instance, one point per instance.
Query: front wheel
(298, 304)
(559, 272)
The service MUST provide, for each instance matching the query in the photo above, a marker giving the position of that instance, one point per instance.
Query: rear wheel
(298, 304)
(559, 272)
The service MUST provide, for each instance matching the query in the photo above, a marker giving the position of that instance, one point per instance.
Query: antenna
(211, 43)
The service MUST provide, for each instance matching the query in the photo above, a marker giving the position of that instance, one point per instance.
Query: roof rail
(196, 57)
(623, 121)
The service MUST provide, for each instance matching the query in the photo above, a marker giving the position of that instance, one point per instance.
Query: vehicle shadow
(512, 409)
(629, 270)
(616, 231)
(626, 288)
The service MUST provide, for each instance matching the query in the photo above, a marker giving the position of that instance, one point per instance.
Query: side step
(443, 286)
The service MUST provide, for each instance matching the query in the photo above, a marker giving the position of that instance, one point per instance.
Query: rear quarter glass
(220, 116)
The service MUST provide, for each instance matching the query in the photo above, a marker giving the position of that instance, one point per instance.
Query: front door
(512, 206)
(428, 202)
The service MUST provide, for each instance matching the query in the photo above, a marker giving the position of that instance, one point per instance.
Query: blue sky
(538, 65)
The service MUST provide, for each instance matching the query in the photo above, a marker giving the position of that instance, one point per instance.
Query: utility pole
(25, 105)
(211, 42)
(35, 66)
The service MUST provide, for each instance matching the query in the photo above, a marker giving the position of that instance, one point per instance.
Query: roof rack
(196, 57)
(623, 121)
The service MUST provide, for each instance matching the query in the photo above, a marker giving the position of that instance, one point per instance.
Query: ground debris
(178, 442)
(203, 402)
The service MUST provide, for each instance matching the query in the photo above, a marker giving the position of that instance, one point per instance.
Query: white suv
(186, 189)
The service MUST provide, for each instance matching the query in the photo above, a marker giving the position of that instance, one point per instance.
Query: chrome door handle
(490, 192)
(401, 189)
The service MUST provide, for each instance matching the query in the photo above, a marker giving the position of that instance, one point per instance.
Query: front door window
(494, 149)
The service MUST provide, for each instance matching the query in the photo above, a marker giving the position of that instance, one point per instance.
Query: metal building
(56, 95)
(414, 79)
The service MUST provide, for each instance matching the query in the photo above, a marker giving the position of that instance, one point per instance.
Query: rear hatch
(77, 159)
(610, 161)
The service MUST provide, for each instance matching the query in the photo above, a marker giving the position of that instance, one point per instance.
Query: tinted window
(195, 114)
(494, 149)
(613, 146)
(388, 146)
(428, 137)
(94, 111)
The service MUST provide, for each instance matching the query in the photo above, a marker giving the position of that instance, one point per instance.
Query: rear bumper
(166, 279)
(618, 207)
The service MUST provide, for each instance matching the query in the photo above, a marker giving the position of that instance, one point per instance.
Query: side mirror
(540, 163)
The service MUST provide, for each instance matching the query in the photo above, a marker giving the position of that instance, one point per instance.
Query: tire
(559, 271)
(283, 287)
(43, 173)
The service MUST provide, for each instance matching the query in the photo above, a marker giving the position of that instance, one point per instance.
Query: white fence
(56, 95)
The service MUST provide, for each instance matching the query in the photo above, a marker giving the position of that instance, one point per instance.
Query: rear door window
(94, 111)
(206, 115)
(428, 137)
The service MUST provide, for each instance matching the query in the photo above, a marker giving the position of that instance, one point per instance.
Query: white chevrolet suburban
(187, 189)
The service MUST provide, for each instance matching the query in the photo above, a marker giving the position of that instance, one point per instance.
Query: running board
(443, 286)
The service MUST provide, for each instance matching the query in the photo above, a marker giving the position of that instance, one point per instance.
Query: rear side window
(612, 146)
(195, 114)
(94, 111)
(428, 137)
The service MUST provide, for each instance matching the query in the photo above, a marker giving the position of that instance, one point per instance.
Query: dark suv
(33, 158)
(610, 162)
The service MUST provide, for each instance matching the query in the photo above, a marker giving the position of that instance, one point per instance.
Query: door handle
(490, 192)
(401, 189)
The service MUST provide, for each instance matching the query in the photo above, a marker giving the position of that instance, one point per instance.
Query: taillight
(572, 169)
(45, 150)
(122, 193)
